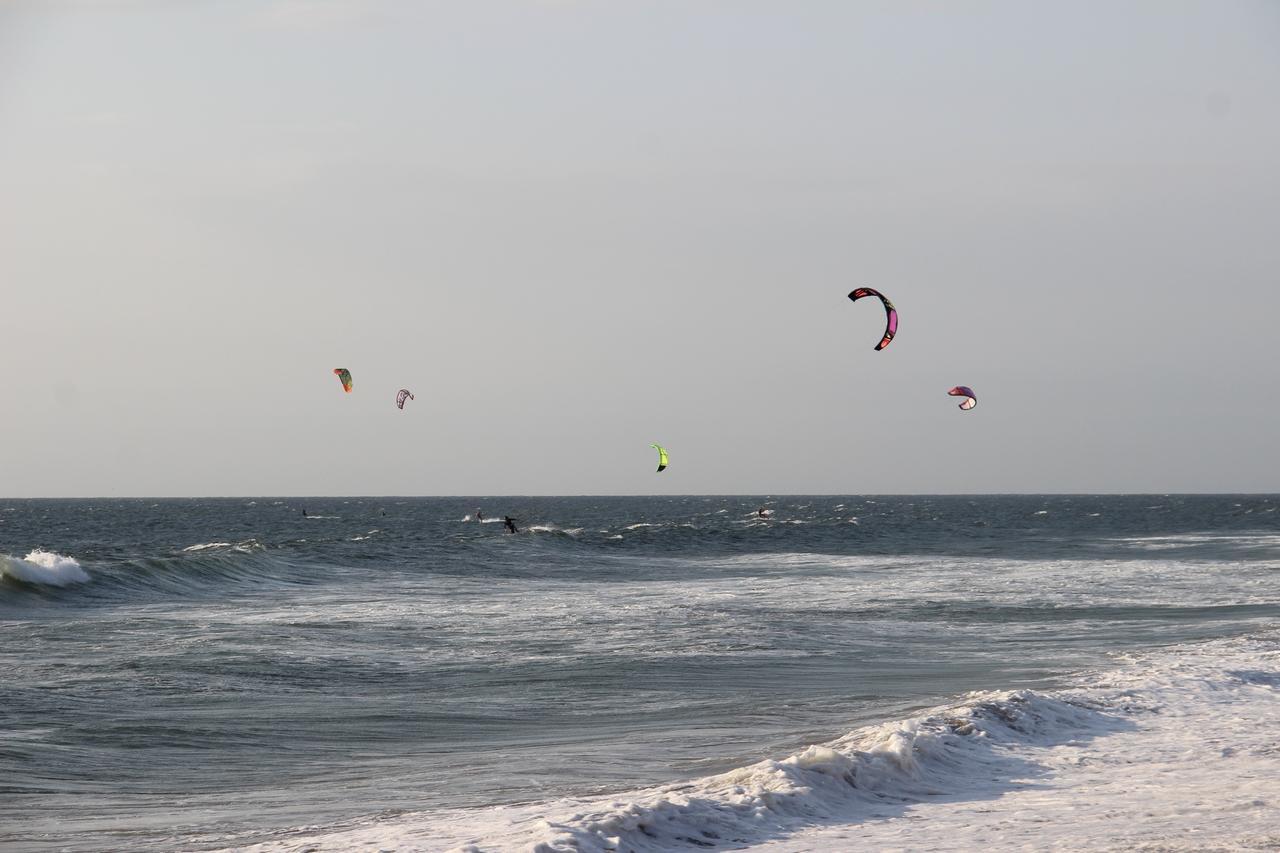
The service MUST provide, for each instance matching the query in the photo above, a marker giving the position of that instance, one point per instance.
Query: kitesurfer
(304, 512)
(479, 515)
(510, 524)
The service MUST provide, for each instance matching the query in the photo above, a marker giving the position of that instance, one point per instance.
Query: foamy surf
(1171, 751)
(45, 568)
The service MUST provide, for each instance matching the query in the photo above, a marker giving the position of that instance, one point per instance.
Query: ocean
(640, 673)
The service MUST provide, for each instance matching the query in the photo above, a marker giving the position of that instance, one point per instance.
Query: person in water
(304, 512)
(510, 524)
(479, 515)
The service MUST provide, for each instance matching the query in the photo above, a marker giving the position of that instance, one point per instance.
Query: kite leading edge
(970, 399)
(891, 313)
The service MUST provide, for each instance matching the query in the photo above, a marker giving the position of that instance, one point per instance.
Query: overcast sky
(575, 228)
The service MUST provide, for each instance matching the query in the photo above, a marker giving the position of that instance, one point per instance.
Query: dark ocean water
(184, 674)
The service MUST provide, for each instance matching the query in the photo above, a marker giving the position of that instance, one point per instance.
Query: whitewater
(1170, 752)
(641, 674)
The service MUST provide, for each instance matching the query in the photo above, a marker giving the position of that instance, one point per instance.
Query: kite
(402, 395)
(344, 376)
(662, 456)
(970, 399)
(891, 313)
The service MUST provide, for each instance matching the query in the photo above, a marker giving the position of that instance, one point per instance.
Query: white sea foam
(43, 567)
(853, 580)
(246, 547)
(207, 545)
(1241, 539)
(1172, 751)
(551, 528)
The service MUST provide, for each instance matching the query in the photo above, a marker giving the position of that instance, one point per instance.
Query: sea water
(639, 673)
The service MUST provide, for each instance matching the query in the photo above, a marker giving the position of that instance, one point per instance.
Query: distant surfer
(479, 515)
(510, 524)
(304, 512)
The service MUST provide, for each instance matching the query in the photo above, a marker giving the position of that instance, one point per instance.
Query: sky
(574, 228)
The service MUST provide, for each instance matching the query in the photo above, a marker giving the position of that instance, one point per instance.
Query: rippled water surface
(190, 673)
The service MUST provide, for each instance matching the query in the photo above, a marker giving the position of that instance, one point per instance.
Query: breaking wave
(202, 568)
(982, 748)
(44, 568)
(907, 761)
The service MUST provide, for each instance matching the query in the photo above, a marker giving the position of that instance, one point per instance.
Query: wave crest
(45, 568)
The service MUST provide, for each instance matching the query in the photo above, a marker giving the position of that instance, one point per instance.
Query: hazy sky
(574, 228)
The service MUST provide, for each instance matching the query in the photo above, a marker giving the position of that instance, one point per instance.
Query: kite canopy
(891, 313)
(970, 399)
(402, 395)
(344, 376)
(662, 456)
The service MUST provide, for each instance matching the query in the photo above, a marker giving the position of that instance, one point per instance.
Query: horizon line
(647, 495)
